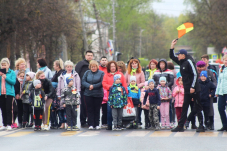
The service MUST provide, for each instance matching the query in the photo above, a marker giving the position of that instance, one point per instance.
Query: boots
(212, 126)
(109, 127)
(178, 129)
(187, 124)
(194, 127)
(200, 129)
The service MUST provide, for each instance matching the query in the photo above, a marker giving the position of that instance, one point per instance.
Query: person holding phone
(7, 93)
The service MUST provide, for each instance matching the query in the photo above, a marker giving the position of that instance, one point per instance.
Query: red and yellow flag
(184, 28)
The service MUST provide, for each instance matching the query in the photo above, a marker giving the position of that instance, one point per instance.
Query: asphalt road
(103, 140)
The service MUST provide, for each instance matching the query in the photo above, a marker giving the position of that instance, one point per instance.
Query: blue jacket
(47, 71)
(222, 81)
(134, 94)
(10, 82)
(95, 79)
(117, 96)
(154, 97)
(207, 88)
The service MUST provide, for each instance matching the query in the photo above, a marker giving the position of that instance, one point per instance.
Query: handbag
(129, 109)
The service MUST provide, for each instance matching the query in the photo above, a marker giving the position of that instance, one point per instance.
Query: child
(36, 98)
(70, 99)
(17, 103)
(166, 95)
(117, 100)
(178, 94)
(207, 91)
(154, 103)
(134, 93)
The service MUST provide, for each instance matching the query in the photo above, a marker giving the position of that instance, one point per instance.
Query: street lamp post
(140, 41)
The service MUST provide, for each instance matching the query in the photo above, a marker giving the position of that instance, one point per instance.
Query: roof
(88, 20)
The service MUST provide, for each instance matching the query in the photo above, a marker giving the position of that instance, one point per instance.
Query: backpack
(216, 75)
(37, 100)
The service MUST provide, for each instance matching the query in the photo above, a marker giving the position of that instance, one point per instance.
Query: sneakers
(151, 128)
(46, 128)
(200, 129)
(104, 126)
(20, 125)
(84, 125)
(157, 128)
(3, 128)
(119, 128)
(178, 129)
(30, 125)
(36, 128)
(98, 127)
(115, 128)
(14, 125)
(187, 124)
(163, 128)
(39, 128)
(9, 128)
(168, 127)
(135, 125)
(75, 128)
(69, 128)
(90, 127)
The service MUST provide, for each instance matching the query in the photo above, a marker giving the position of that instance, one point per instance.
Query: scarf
(133, 71)
(42, 68)
(134, 88)
(152, 73)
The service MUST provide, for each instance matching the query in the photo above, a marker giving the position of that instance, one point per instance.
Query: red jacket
(108, 81)
(104, 69)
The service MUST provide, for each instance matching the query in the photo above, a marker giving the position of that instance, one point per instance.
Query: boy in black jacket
(154, 104)
(37, 100)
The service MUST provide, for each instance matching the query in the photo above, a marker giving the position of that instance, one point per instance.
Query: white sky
(170, 7)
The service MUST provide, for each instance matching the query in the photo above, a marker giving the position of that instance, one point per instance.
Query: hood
(64, 72)
(162, 60)
(177, 82)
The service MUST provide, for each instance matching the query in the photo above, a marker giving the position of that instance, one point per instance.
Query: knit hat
(178, 75)
(151, 80)
(31, 74)
(162, 79)
(203, 73)
(68, 79)
(132, 78)
(35, 82)
(200, 64)
(117, 76)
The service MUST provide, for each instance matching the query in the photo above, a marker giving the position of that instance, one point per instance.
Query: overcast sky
(170, 7)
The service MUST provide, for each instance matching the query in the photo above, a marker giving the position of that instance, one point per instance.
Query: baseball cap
(182, 51)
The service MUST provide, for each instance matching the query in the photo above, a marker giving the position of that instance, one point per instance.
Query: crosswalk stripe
(161, 134)
(184, 134)
(2, 133)
(90, 133)
(18, 134)
(138, 133)
(208, 134)
(70, 133)
(224, 134)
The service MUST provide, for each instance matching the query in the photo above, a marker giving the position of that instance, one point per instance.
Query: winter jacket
(140, 78)
(179, 97)
(47, 87)
(95, 79)
(56, 75)
(17, 87)
(81, 68)
(48, 73)
(207, 88)
(163, 73)
(142, 97)
(26, 71)
(117, 96)
(134, 93)
(149, 74)
(222, 81)
(38, 92)
(188, 72)
(26, 92)
(212, 67)
(108, 81)
(104, 69)
(10, 82)
(165, 92)
(61, 82)
(70, 96)
(154, 97)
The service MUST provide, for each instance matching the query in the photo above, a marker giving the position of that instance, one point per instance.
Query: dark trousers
(206, 110)
(71, 115)
(38, 116)
(62, 116)
(6, 107)
(196, 109)
(93, 105)
(178, 112)
(83, 110)
(26, 112)
(109, 116)
(139, 111)
(193, 118)
(20, 111)
(172, 112)
(53, 117)
(146, 114)
(221, 108)
(104, 113)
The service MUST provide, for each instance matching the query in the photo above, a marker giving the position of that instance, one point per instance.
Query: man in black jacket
(191, 87)
(81, 68)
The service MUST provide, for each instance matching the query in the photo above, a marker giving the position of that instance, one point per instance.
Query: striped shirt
(3, 86)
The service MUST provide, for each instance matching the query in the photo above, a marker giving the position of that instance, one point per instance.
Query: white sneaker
(9, 128)
(97, 127)
(104, 126)
(46, 128)
(91, 128)
(3, 128)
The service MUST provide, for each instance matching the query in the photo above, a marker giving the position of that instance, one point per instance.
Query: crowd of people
(43, 101)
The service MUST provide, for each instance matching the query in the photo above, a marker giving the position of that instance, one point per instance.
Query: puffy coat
(188, 72)
(134, 93)
(81, 68)
(95, 79)
(179, 97)
(222, 82)
(163, 73)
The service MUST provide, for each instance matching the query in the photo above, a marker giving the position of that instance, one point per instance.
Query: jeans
(62, 116)
(109, 115)
(221, 108)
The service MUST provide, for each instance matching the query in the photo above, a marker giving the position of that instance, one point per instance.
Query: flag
(184, 28)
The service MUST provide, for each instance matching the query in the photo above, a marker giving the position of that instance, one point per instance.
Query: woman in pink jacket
(134, 69)
(178, 94)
